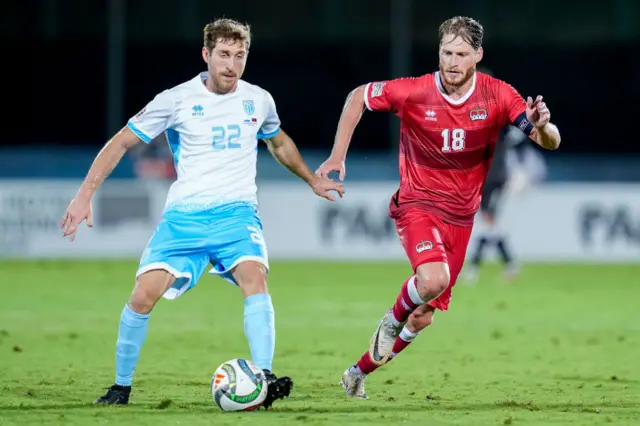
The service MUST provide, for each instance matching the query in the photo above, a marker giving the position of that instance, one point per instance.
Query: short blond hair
(226, 30)
(468, 29)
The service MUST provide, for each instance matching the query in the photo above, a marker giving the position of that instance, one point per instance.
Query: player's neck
(211, 86)
(456, 92)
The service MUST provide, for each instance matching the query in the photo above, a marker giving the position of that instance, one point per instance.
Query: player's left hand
(323, 186)
(537, 112)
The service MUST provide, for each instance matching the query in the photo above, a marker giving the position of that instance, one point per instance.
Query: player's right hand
(322, 186)
(332, 165)
(78, 211)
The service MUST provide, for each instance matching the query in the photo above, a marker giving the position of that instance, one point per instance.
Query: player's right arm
(146, 125)
(377, 96)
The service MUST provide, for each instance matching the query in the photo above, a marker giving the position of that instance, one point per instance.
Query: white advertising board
(553, 223)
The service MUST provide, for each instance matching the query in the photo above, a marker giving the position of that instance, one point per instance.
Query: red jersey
(446, 145)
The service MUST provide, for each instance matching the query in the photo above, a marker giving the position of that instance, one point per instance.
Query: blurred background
(92, 65)
(560, 346)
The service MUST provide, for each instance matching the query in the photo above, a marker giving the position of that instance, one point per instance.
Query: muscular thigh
(457, 241)
(421, 237)
(179, 248)
(238, 239)
(427, 239)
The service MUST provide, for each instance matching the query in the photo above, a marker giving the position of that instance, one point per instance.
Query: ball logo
(478, 114)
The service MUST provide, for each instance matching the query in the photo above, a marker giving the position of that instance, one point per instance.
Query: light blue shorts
(184, 244)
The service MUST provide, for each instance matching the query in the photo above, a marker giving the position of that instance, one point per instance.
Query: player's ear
(479, 54)
(205, 54)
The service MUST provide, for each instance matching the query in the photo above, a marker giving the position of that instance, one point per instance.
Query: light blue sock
(131, 336)
(260, 329)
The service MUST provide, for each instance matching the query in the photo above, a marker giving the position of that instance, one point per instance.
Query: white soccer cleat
(353, 383)
(383, 339)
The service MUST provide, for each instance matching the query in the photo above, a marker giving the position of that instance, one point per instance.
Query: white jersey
(213, 138)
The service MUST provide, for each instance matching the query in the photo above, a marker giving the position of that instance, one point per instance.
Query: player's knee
(148, 290)
(141, 300)
(251, 277)
(432, 279)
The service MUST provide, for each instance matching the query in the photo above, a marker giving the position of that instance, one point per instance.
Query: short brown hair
(226, 30)
(468, 29)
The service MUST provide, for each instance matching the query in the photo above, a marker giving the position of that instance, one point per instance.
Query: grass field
(559, 347)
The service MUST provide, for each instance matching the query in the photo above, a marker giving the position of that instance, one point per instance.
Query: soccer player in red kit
(450, 121)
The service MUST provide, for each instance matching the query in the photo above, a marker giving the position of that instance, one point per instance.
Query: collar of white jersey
(449, 98)
(203, 76)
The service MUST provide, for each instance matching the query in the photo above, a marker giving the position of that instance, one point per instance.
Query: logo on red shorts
(423, 246)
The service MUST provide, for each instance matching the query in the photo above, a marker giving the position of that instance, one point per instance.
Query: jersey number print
(453, 140)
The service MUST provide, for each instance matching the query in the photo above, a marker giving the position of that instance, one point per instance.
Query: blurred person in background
(516, 165)
(154, 160)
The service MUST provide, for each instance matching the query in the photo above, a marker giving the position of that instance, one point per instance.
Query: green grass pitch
(561, 346)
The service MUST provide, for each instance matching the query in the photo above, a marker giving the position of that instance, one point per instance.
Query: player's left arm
(285, 151)
(532, 117)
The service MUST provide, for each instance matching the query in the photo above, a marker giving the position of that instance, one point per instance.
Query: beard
(458, 80)
(224, 84)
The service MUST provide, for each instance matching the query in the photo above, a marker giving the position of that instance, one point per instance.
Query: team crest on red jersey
(478, 114)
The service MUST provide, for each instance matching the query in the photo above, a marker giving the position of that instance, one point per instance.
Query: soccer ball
(238, 385)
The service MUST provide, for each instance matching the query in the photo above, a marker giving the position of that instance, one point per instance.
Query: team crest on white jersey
(248, 107)
(478, 114)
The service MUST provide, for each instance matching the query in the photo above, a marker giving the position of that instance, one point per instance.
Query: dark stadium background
(557, 346)
(91, 64)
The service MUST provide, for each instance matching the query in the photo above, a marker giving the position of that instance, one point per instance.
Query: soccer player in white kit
(213, 123)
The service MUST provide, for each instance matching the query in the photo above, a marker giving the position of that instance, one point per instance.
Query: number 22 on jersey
(226, 137)
(453, 140)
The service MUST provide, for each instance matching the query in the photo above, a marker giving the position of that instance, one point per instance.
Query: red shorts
(426, 238)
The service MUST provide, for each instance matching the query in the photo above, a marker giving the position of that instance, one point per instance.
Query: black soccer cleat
(277, 388)
(116, 395)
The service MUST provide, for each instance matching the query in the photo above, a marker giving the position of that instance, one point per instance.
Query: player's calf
(420, 319)
(259, 316)
(132, 333)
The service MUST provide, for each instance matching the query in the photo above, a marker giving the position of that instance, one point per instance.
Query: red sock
(366, 364)
(404, 305)
(398, 346)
